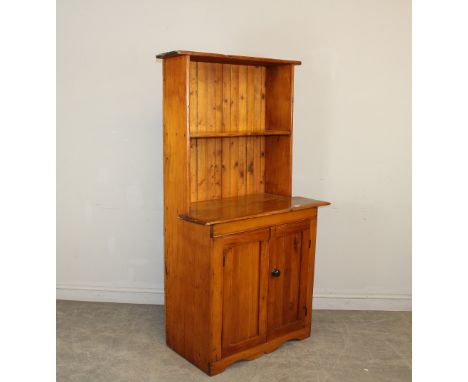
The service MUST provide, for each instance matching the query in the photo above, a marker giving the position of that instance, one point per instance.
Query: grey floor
(124, 342)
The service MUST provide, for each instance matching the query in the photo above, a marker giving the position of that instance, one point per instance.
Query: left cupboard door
(245, 287)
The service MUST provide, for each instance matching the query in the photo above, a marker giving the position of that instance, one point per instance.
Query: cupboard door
(287, 295)
(245, 288)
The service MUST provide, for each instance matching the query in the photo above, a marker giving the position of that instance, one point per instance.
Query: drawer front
(289, 258)
(262, 222)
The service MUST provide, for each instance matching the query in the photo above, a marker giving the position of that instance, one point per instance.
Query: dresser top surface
(225, 210)
(226, 58)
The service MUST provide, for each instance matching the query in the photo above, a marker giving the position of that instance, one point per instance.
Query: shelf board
(224, 134)
(224, 210)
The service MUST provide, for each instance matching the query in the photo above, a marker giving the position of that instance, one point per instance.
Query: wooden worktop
(243, 207)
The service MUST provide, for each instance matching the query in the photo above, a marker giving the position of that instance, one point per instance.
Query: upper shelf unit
(236, 115)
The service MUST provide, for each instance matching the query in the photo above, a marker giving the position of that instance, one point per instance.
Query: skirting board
(105, 294)
(362, 302)
(156, 297)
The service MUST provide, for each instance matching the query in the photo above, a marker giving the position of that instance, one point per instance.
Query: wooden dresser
(239, 249)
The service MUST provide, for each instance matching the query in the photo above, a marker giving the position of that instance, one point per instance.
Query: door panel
(287, 295)
(245, 287)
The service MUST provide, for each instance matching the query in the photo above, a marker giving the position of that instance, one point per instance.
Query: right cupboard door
(289, 264)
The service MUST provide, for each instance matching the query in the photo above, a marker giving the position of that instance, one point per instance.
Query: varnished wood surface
(256, 351)
(176, 196)
(311, 270)
(245, 288)
(188, 294)
(226, 134)
(228, 211)
(287, 294)
(279, 90)
(227, 106)
(244, 225)
(244, 207)
(224, 58)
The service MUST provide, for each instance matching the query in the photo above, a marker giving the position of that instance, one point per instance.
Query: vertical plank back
(225, 97)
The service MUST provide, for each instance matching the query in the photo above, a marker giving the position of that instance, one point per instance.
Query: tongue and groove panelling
(225, 97)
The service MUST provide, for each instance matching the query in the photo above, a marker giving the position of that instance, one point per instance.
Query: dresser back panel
(223, 98)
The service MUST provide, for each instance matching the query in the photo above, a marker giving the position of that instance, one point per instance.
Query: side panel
(279, 86)
(176, 193)
(191, 295)
(311, 268)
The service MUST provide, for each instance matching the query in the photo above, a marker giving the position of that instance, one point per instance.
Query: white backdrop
(352, 137)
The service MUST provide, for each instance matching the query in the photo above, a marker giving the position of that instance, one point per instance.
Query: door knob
(275, 272)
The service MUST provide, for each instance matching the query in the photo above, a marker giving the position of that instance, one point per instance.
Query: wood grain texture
(279, 88)
(287, 294)
(245, 207)
(226, 176)
(227, 101)
(189, 321)
(186, 247)
(202, 123)
(227, 134)
(262, 221)
(176, 172)
(228, 212)
(245, 288)
(311, 268)
(223, 58)
(193, 124)
(217, 367)
(234, 143)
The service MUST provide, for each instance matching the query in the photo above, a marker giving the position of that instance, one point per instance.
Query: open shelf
(224, 210)
(224, 134)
